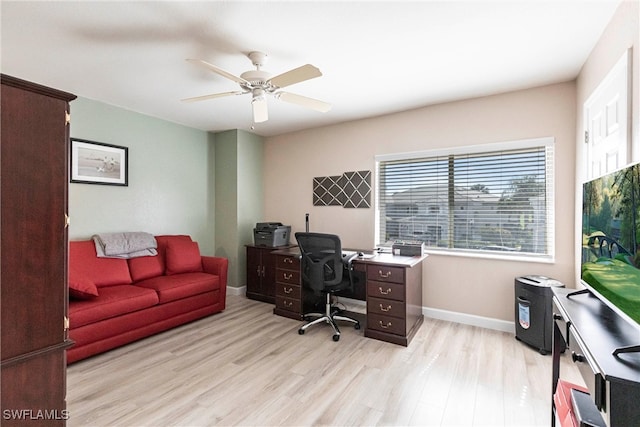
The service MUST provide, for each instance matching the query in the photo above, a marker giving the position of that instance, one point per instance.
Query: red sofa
(113, 302)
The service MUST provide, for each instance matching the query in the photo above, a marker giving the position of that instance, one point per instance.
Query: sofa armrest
(218, 266)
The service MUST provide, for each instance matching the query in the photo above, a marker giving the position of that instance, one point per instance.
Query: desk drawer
(561, 323)
(590, 374)
(388, 324)
(288, 276)
(288, 262)
(386, 307)
(289, 304)
(288, 291)
(384, 273)
(393, 291)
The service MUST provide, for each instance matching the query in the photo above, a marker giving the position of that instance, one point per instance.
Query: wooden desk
(390, 284)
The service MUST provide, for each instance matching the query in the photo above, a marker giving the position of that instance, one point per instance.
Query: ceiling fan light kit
(259, 105)
(259, 83)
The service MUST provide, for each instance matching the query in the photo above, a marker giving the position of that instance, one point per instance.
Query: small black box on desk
(408, 248)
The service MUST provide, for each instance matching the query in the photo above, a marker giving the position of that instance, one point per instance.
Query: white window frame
(544, 142)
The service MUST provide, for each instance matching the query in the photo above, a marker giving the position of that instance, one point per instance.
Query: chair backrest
(321, 263)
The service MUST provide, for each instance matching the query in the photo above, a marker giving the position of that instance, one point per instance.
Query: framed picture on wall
(99, 163)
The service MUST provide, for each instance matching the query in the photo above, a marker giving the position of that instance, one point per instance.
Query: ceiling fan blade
(304, 101)
(212, 96)
(297, 75)
(218, 70)
(260, 113)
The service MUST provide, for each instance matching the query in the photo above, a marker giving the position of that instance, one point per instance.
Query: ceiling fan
(259, 83)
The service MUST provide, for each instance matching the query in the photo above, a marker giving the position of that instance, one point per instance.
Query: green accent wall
(171, 182)
(239, 197)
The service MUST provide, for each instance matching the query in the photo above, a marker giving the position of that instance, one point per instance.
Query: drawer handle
(383, 292)
(383, 326)
(288, 290)
(387, 308)
(287, 276)
(258, 271)
(577, 357)
(288, 261)
(384, 275)
(287, 303)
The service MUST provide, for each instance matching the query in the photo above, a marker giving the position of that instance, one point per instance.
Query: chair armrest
(218, 266)
(347, 261)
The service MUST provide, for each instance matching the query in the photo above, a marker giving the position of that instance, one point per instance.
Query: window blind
(482, 201)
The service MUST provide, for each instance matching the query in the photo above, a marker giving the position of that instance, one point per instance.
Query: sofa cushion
(165, 240)
(183, 257)
(145, 267)
(80, 286)
(113, 301)
(142, 268)
(102, 271)
(178, 286)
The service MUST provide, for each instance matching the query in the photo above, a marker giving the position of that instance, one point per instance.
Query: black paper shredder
(534, 312)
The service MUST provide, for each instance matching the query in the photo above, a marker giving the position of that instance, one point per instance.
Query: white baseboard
(470, 319)
(232, 290)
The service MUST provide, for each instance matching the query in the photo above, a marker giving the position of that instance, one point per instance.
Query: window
(490, 199)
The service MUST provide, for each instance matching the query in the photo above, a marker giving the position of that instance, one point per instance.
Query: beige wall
(481, 287)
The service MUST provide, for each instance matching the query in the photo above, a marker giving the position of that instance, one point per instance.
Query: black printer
(271, 234)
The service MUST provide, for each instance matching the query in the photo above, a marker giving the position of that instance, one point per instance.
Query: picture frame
(99, 163)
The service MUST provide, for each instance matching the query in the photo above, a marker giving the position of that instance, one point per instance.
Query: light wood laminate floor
(246, 366)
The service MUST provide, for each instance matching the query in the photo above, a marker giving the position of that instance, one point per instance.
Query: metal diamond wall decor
(349, 190)
(326, 190)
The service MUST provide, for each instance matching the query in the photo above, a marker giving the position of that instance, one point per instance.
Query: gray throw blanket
(125, 245)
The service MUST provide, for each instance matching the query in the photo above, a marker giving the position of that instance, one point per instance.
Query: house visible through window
(495, 198)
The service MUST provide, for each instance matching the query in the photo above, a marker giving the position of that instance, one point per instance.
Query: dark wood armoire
(34, 138)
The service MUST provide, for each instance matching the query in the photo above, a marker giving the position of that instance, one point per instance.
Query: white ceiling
(376, 57)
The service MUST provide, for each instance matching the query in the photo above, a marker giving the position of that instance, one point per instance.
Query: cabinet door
(269, 277)
(34, 134)
(261, 273)
(34, 205)
(254, 271)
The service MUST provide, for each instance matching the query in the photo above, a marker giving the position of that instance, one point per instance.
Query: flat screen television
(610, 266)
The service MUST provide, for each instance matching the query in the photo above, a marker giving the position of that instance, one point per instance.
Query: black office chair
(323, 269)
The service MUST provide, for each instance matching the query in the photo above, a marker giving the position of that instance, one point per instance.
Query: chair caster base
(336, 337)
(356, 326)
(300, 331)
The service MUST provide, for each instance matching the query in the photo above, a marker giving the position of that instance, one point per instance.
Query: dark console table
(592, 331)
